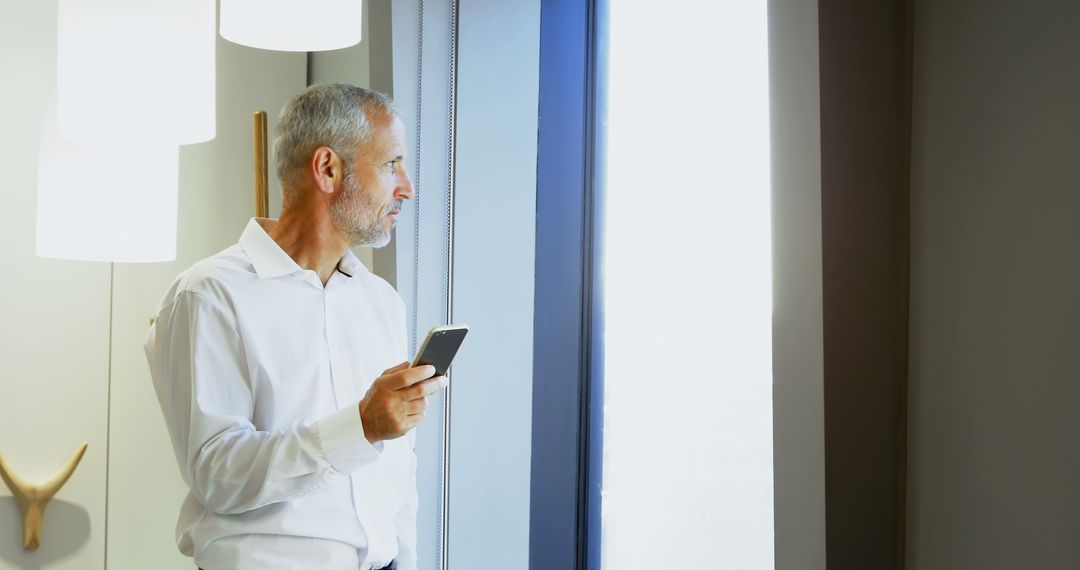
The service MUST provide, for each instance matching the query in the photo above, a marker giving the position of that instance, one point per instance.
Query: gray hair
(334, 115)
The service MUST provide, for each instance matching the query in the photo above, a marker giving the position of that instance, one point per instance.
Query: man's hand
(396, 401)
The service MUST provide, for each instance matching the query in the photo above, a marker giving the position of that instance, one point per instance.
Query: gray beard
(357, 216)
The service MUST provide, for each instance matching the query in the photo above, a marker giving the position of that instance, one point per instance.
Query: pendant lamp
(105, 202)
(137, 71)
(292, 25)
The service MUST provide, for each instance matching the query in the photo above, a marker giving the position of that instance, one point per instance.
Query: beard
(358, 216)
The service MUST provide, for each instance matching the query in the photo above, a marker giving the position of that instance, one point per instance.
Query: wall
(864, 193)
(65, 304)
(349, 65)
(55, 336)
(367, 64)
(55, 343)
(216, 201)
(798, 368)
(995, 315)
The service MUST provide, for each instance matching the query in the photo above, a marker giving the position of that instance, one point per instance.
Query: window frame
(568, 357)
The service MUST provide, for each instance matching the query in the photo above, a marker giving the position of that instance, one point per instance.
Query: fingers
(397, 368)
(396, 402)
(424, 388)
(409, 376)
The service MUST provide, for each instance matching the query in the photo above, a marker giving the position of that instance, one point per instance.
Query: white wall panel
(54, 329)
(216, 201)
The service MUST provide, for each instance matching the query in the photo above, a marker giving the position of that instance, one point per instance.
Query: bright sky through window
(688, 477)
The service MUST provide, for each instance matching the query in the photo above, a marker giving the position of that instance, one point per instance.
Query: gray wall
(994, 478)
(864, 194)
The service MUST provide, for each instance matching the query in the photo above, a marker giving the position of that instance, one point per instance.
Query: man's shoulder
(213, 277)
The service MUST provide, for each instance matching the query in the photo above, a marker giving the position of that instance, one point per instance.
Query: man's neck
(310, 239)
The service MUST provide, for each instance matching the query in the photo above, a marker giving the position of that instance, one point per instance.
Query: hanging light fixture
(289, 25)
(121, 63)
(105, 202)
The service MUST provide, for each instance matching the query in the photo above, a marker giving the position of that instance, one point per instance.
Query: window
(686, 279)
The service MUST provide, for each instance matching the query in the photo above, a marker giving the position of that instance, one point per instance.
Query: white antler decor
(32, 498)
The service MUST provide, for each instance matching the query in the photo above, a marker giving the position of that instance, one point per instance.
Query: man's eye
(391, 165)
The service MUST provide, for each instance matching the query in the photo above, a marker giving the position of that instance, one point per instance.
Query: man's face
(374, 187)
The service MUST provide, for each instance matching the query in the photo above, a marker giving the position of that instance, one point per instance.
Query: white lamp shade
(136, 70)
(292, 25)
(105, 202)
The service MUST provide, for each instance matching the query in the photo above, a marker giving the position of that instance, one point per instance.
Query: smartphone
(439, 347)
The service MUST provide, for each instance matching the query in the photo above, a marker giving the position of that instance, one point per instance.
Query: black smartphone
(439, 347)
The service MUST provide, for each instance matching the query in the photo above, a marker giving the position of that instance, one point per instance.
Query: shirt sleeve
(200, 375)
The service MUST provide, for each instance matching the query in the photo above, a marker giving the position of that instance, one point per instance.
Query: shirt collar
(351, 265)
(270, 261)
(266, 256)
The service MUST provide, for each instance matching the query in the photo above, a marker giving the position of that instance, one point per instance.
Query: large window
(687, 440)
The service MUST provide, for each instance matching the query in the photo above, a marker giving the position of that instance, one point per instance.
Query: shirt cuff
(342, 440)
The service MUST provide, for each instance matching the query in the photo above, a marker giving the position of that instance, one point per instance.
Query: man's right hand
(396, 401)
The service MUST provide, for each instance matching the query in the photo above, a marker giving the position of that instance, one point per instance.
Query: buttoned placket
(340, 374)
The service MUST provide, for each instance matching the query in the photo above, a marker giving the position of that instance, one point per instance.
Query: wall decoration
(32, 498)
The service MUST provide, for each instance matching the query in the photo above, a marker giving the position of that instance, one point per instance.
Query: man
(268, 360)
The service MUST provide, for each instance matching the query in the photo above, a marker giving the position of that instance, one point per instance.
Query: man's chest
(311, 354)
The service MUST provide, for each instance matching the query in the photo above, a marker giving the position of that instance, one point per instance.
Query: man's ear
(326, 169)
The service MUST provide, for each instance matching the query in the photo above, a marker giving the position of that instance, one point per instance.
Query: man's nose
(404, 190)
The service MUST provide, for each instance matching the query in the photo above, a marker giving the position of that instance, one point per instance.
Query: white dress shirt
(259, 370)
